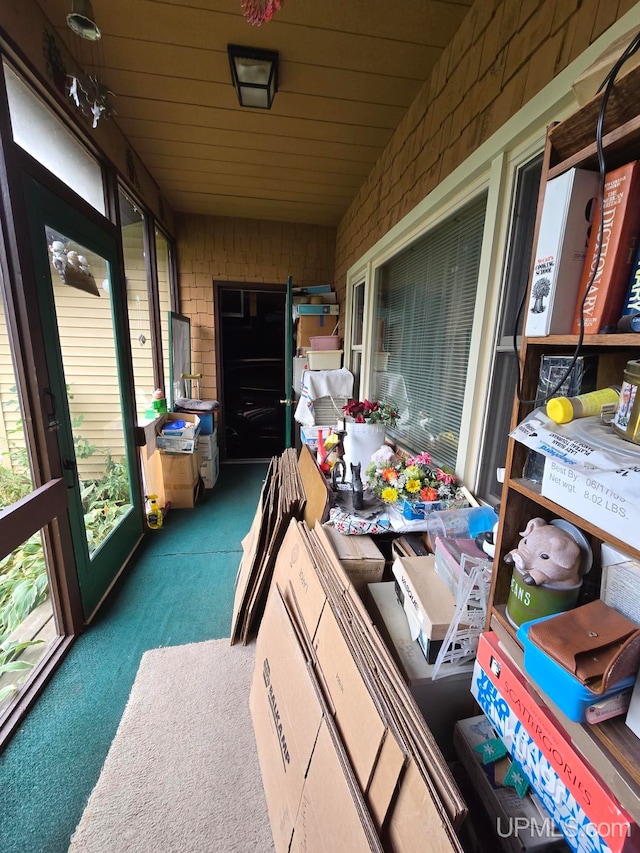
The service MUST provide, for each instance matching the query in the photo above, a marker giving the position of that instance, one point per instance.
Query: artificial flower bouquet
(415, 483)
(368, 412)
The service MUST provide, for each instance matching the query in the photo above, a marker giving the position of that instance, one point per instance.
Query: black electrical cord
(607, 84)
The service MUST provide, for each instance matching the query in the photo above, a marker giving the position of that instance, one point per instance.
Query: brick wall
(223, 249)
(502, 55)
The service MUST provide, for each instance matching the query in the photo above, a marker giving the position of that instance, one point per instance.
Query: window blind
(425, 300)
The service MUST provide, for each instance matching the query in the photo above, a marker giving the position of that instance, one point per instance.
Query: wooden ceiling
(348, 71)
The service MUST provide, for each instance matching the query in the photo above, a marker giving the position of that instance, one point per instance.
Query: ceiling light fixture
(82, 20)
(255, 75)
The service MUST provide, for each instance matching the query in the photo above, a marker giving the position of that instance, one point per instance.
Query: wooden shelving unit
(610, 747)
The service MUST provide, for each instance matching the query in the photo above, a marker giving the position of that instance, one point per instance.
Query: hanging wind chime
(86, 89)
(260, 11)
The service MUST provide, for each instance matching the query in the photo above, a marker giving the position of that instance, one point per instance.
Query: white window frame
(491, 168)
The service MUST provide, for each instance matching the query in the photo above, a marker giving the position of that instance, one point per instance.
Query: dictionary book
(560, 251)
(611, 269)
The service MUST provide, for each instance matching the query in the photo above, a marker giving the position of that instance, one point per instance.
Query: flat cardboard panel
(286, 715)
(294, 567)
(315, 488)
(415, 823)
(328, 819)
(357, 718)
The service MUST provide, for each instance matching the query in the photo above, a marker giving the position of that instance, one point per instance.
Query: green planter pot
(531, 602)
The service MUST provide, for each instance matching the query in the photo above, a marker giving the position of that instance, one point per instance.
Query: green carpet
(179, 590)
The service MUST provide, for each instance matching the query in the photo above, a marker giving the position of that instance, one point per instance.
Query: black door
(251, 371)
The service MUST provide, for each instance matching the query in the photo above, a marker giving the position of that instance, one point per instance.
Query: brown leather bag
(595, 643)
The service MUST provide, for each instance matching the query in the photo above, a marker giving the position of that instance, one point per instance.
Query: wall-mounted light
(255, 75)
(82, 20)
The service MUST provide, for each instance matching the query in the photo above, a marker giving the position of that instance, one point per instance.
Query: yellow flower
(412, 486)
(413, 471)
(389, 495)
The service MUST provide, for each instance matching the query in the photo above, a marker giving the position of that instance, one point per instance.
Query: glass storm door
(91, 407)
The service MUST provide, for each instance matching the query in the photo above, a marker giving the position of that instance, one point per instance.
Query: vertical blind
(425, 301)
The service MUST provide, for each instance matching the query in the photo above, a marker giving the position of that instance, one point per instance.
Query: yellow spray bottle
(154, 513)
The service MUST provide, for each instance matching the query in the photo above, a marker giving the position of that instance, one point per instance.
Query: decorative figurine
(546, 554)
(357, 494)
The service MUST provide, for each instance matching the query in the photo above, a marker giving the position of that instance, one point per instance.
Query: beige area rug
(182, 773)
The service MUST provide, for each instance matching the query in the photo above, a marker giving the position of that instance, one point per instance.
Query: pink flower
(420, 459)
(443, 477)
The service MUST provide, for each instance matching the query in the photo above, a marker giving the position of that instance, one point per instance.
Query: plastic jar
(626, 421)
(565, 409)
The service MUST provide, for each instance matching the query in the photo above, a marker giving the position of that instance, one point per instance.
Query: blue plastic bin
(569, 694)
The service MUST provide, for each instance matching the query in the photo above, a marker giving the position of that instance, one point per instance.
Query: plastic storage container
(569, 694)
(325, 359)
(325, 342)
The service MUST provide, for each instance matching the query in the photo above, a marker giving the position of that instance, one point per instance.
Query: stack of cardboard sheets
(347, 759)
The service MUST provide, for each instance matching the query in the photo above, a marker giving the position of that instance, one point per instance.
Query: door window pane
(42, 135)
(164, 294)
(132, 223)
(84, 313)
(425, 301)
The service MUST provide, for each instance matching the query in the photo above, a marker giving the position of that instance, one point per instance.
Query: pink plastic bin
(325, 342)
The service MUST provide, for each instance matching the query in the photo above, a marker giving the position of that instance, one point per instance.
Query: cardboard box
(592, 500)
(207, 446)
(178, 441)
(520, 825)
(189, 430)
(360, 557)
(569, 787)
(210, 470)
(428, 603)
(180, 476)
(311, 325)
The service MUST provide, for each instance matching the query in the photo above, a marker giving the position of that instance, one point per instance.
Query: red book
(603, 305)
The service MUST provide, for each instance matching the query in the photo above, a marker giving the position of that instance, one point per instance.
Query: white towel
(321, 383)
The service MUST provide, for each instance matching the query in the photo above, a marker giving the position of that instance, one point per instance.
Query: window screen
(424, 316)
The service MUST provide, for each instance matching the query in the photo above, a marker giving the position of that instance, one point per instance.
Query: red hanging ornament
(259, 11)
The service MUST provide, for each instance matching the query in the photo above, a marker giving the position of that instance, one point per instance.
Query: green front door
(80, 300)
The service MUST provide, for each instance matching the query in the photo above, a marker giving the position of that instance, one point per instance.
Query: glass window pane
(132, 223)
(504, 374)
(27, 623)
(425, 301)
(358, 314)
(41, 133)
(164, 294)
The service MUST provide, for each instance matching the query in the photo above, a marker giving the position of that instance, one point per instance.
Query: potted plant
(414, 483)
(365, 426)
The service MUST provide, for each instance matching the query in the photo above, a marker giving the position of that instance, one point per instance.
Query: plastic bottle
(154, 513)
(565, 409)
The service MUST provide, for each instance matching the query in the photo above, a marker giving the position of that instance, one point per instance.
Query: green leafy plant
(10, 661)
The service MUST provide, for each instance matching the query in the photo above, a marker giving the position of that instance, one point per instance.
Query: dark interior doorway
(251, 370)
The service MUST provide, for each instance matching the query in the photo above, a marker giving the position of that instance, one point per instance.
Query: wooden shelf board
(621, 340)
(534, 492)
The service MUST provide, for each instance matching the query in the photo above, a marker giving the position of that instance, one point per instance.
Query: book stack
(608, 266)
(583, 280)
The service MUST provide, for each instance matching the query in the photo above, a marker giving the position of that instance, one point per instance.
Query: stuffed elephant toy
(546, 555)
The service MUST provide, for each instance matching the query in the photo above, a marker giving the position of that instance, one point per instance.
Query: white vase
(360, 443)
